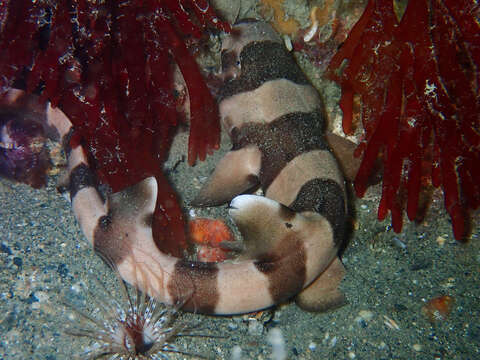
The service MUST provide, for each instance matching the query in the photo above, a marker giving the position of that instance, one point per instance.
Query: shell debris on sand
(390, 323)
(438, 308)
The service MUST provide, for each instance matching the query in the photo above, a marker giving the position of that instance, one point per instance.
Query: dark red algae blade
(418, 79)
(108, 66)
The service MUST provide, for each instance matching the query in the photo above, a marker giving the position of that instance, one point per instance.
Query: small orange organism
(208, 234)
(284, 25)
(439, 308)
(320, 17)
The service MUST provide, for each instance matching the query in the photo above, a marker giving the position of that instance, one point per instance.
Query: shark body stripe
(281, 141)
(269, 101)
(262, 61)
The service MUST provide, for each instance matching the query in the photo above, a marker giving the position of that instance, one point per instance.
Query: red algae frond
(418, 80)
(109, 66)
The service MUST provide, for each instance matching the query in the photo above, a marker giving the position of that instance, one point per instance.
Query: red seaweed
(109, 66)
(418, 81)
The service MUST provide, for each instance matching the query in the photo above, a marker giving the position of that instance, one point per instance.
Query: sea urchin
(130, 326)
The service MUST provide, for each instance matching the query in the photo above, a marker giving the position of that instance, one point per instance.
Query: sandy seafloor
(44, 255)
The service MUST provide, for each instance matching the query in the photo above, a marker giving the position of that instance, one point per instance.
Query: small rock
(417, 347)
(255, 327)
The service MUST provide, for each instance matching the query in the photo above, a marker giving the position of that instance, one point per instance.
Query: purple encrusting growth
(23, 154)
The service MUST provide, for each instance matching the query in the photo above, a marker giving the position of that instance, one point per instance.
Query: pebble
(76, 288)
(399, 243)
(390, 323)
(367, 315)
(236, 353)
(417, 347)
(232, 326)
(18, 261)
(255, 327)
(333, 342)
(5, 249)
(42, 296)
(441, 241)
(276, 339)
(364, 316)
(288, 42)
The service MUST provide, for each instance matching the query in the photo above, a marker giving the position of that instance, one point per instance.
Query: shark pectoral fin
(236, 173)
(323, 294)
(344, 151)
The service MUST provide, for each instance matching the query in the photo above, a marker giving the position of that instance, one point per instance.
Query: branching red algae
(418, 81)
(109, 66)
